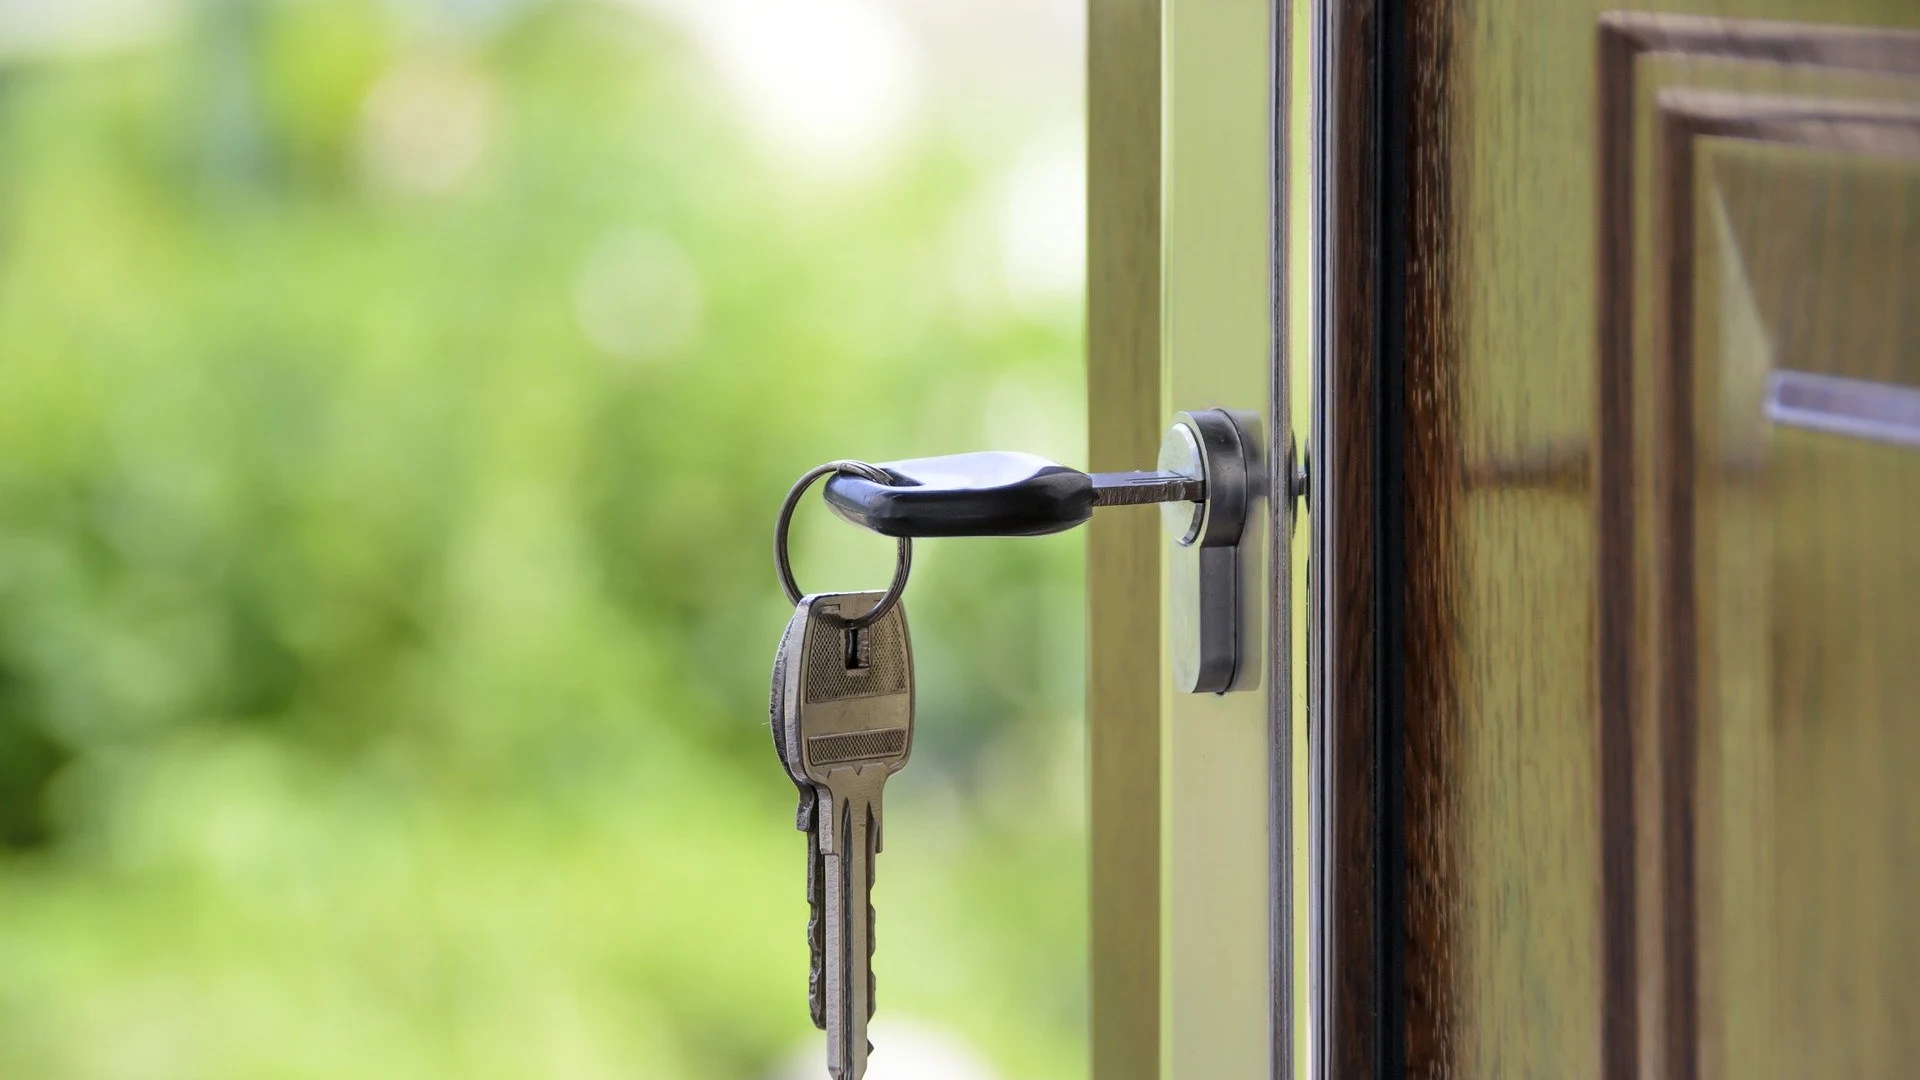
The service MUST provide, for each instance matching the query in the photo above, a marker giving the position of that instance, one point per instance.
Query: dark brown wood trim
(1625, 37)
(1352, 968)
(1393, 433)
(1895, 52)
(1866, 129)
(1677, 693)
(1616, 590)
(1431, 493)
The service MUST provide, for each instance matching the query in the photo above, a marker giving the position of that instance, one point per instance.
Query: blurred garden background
(395, 396)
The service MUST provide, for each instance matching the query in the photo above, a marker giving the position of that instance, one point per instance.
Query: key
(849, 726)
(803, 815)
(995, 493)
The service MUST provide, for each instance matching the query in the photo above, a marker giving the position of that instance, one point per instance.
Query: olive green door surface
(1616, 707)
(1193, 794)
(1606, 661)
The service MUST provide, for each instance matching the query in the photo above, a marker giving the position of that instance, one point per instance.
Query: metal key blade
(852, 728)
(851, 822)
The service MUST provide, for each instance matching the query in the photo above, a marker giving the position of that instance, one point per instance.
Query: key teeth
(816, 974)
(873, 936)
(816, 935)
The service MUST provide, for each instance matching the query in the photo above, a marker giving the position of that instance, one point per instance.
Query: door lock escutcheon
(1205, 483)
(1203, 569)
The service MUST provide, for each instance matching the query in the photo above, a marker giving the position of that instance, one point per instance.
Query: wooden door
(1616, 676)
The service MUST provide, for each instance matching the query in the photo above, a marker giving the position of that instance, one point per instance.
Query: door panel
(1618, 588)
(1805, 500)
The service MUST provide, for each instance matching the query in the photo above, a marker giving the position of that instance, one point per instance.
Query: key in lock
(1210, 474)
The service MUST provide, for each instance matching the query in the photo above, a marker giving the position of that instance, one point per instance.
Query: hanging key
(842, 717)
(844, 704)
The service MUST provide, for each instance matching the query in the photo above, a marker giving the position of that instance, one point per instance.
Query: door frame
(1191, 231)
(1358, 658)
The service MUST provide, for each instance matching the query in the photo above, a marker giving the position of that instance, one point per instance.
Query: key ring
(902, 565)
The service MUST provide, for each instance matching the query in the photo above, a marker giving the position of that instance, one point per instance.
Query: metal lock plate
(1209, 473)
(1203, 570)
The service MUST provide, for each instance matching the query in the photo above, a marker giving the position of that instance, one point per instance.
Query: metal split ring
(902, 565)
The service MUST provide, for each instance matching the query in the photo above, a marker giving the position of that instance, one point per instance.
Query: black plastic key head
(990, 493)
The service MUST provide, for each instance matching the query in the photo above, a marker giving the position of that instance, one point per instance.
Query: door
(1193, 825)
(1617, 539)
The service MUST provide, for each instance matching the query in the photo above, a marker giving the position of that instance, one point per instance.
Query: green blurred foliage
(383, 663)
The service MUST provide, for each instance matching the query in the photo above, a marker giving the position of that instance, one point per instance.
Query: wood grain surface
(1348, 782)
(1556, 801)
(1788, 576)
